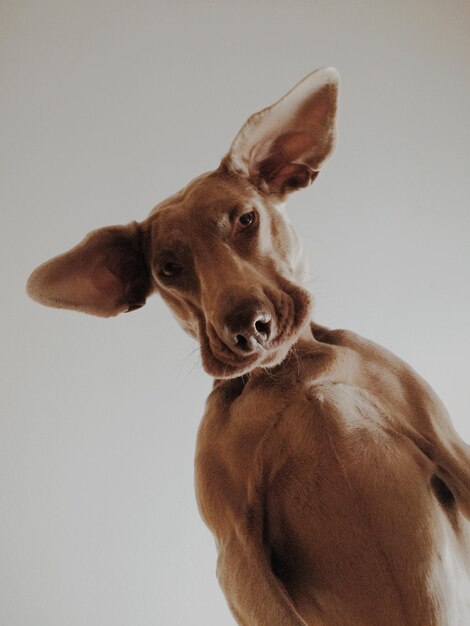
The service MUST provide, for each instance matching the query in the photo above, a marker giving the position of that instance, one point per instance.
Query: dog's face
(226, 261)
(220, 252)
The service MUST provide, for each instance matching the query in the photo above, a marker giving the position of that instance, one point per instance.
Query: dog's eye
(170, 269)
(246, 220)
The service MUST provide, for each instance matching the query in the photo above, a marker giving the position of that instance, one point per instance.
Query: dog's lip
(230, 355)
(237, 360)
(227, 364)
(221, 368)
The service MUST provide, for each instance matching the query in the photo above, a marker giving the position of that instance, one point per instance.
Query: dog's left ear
(282, 147)
(105, 274)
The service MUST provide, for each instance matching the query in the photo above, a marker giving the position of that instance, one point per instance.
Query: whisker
(186, 360)
(297, 358)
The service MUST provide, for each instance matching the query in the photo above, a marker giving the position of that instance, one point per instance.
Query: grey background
(108, 107)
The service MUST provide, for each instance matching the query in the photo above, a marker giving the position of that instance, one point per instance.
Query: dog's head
(220, 252)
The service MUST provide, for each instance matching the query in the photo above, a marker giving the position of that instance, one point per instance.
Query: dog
(328, 471)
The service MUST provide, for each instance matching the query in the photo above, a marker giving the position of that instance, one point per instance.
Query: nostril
(241, 342)
(263, 327)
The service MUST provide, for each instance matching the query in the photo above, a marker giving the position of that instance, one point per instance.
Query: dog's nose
(246, 331)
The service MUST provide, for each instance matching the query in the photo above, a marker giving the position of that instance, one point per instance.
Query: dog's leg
(437, 438)
(417, 412)
(254, 594)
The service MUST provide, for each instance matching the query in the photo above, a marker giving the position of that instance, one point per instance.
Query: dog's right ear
(282, 147)
(105, 274)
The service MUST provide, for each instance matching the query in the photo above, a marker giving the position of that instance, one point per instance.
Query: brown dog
(328, 471)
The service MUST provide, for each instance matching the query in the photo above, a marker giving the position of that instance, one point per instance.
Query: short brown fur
(328, 471)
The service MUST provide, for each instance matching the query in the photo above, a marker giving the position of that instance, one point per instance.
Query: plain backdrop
(109, 106)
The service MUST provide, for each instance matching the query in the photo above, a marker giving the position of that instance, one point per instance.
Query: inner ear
(282, 147)
(278, 176)
(105, 274)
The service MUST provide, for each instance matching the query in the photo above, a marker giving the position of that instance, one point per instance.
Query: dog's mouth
(291, 306)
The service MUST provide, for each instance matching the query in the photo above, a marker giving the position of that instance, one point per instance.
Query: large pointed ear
(282, 147)
(105, 274)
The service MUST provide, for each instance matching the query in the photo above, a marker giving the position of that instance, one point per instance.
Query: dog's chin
(218, 368)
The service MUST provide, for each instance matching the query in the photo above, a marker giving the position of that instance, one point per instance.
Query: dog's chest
(339, 495)
(318, 464)
(352, 501)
